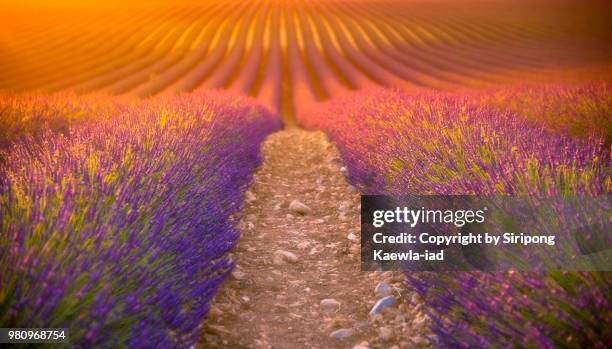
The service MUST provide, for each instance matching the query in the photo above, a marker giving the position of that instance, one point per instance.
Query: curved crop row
(117, 226)
(428, 143)
(290, 53)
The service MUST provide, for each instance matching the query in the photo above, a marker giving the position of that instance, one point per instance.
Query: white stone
(238, 275)
(383, 289)
(330, 304)
(382, 303)
(352, 237)
(290, 257)
(249, 196)
(299, 207)
(281, 256)
(341, 333)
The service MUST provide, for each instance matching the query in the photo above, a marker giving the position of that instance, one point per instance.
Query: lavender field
(190, 174)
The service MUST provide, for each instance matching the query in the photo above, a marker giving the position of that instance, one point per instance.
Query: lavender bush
(119, 228)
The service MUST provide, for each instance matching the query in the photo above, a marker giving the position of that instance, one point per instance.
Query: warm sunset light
(291, 53)
(180, 174)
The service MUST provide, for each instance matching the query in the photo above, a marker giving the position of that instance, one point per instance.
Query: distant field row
(290, 53)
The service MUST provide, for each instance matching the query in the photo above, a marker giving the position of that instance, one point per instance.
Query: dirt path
(292, 256)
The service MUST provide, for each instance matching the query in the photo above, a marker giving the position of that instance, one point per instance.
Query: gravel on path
(298, 282)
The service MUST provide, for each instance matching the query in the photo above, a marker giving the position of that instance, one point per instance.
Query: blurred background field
(290, 54)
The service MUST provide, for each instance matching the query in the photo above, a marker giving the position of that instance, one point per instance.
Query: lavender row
(505, 142)
(118, 228)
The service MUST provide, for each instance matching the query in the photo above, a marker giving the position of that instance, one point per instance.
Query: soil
(291, 257)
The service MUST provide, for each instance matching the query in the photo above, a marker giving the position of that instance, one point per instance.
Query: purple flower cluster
(119, 228)
(486, 143)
